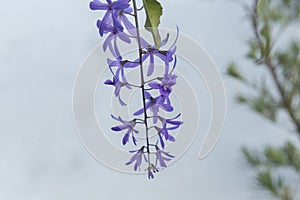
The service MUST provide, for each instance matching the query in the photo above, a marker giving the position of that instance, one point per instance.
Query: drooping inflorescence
(156, 91)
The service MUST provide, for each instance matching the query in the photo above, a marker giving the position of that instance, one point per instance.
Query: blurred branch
(275, 186)
(274, 159)
(265, 52)
(283, 67)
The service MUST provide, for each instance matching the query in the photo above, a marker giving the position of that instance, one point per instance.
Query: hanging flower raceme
(117, 27)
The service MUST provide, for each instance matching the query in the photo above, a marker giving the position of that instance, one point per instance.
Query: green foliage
(275, 185)
(253, 52)
(274, 159)
(292, 154)
(153, 14)
(265, 179)
(264, 103)
(289, 62)
(232, 71)
(275, 156)
(282, 64)
(252, 158)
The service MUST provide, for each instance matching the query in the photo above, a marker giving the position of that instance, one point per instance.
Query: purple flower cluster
(156, 98)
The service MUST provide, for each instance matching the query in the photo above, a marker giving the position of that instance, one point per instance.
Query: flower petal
(133, 158)
(161, 141)
(116, 49)
(171, 138)
(125, 138)
(122, 102)
(173, 127)
(131, 64)
(129, 26)
(175, 122)
(160, 159)
(116, 22)
(109, 82)
(145, 57)
(138, 162)
(139, 112)
(167, 154)
(133, 139)
(108, 41)
(97, 5)
(165, 41)
(150, 175)
(155, 85)
(147, 95)
(167, 107)
(115, 118)
(120, 4)
(151, 65)
(124, 37)
(119, 128)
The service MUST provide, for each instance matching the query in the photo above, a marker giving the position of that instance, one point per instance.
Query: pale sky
(42, 46)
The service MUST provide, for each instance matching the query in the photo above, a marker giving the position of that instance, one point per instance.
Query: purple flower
(171, 121)
(137, 158)
(121, 65)
(154, 104)
(164, 131)
(165, 55)
(126, 125)
(114, 34)
(112, 8)
(124, 20)
(162, 157)
(165, 85)
(118, 85)
(169, 57)
(151, 169)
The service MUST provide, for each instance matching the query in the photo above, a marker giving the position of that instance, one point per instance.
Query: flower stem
(132, 85)
(157, 78)
(135, 9)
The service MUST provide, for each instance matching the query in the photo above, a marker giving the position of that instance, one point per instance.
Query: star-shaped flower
(112, 8)
(128, 126)
(118, 85)
(154, 104)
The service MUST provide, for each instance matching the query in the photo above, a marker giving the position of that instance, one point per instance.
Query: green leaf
(265, 32)
(153, 12)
